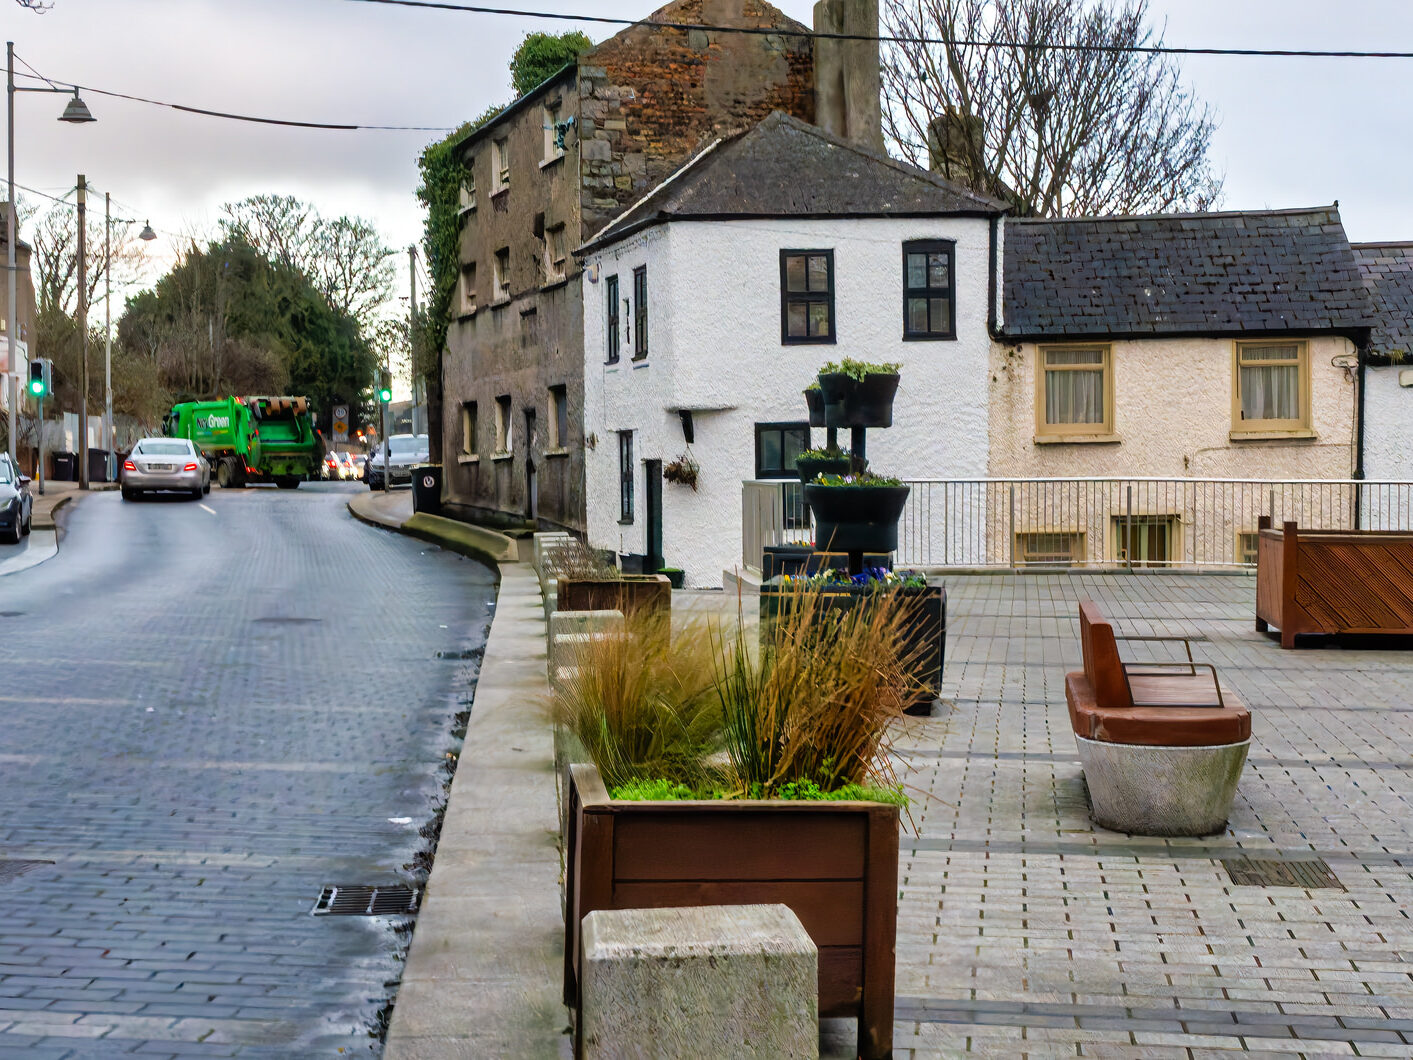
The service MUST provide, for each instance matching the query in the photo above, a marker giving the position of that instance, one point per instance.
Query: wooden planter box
(927, 627)
(626, 594)
(834, 863)
(1333, 581)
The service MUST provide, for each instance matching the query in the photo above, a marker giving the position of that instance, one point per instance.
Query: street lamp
(75, 113)
(148, 235)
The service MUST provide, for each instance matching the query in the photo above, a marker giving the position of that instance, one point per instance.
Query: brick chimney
(847, 84)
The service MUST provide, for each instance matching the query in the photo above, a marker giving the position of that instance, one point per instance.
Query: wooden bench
(1333, 581)
(1162, 743)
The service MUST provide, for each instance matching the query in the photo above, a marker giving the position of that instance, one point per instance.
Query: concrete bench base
(1162, 791)
(568, 631)
(726, 981)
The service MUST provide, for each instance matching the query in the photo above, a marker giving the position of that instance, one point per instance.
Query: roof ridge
(1406, 244)
(1188, 215)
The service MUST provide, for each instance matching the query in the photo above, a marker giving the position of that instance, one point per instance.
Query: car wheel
(223, 475)
(206, 487)
(27, 525)
(129, 495)
(12, 535)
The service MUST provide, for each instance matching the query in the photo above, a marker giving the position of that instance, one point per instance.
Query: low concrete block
(545, 546)
(1166, 791)
(727, 981)
(568, 630)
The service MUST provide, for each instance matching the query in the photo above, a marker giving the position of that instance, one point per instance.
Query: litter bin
(427, 489)
(98, 465)
(65, 467)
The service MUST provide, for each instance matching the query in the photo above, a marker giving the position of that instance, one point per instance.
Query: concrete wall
(1172, 414)
(1388, 446)
(714, 347)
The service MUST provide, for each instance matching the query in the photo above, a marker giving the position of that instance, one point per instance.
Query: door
(532, 484)
(652, 473)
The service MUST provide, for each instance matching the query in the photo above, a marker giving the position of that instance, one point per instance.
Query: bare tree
(53, 241)
(1039, 103)
(346, 258)
(37, 6)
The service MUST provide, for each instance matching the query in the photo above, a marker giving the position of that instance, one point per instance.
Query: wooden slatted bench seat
(1162, 744)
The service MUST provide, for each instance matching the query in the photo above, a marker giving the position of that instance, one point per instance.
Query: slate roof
(1183, 274)
(1388, 274)
(783, 167)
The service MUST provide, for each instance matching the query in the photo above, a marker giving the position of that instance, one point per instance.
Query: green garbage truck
(252, 439)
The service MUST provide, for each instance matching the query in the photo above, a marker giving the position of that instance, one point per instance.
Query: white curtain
(1074, 395)
(1270, 391)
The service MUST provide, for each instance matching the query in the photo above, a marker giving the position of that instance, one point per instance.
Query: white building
(713, 302)
(1388, 382)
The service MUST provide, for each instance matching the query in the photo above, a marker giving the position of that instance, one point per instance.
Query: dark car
(406, 451)
(16, 503)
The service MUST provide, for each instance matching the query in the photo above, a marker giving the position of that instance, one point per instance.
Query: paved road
(208, 712)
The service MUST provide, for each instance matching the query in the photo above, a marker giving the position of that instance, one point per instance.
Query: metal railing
(1106, 522)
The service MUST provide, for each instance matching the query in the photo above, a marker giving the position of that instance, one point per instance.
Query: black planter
(776, 560)
(856, 518)
(673, 575)
(926, 624)
(809, 466)
(814, 398)
(849, 402)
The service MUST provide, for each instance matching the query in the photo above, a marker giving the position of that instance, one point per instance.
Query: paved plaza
(1024, 930)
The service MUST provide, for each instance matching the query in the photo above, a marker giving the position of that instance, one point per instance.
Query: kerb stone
(727, 981)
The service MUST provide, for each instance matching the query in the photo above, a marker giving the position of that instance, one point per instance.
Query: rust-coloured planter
(626, 594)
(834, 863)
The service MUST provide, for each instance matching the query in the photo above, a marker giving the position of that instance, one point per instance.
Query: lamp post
(147, 235)
(76, 113)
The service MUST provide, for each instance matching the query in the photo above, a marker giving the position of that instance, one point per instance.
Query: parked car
(348, 468)
(165, 464)
(405, 451)
(16, 502)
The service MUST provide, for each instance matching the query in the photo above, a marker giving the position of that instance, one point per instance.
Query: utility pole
(108, 333)
(12, 226)
(83, 328)
(412, 335)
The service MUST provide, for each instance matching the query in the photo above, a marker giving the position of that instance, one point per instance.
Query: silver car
(406, 451)
(165, 464)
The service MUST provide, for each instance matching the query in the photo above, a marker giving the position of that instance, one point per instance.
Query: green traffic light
(384, 396)
(36, 387)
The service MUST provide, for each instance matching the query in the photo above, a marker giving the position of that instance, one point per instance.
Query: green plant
(652, 790)
(642, 703)
(832, 452)
(862, 478)
(541, 56)
(856, 370)
(816, 702)
(659, 789)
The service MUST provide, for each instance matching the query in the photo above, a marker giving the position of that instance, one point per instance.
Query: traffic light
(384, 386)
(40, 377)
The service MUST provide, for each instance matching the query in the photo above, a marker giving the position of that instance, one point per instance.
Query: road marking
(204, 508)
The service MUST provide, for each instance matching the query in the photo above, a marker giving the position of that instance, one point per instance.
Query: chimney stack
(847, 84)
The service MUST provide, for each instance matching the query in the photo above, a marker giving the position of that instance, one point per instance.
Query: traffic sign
(340, 423)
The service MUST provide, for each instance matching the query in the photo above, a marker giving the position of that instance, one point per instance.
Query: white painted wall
(714, 328)
(1388, 446)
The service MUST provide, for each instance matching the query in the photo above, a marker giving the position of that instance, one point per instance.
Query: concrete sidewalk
(483, 973)
(56, 495)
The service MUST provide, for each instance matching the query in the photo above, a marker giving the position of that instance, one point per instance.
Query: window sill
(499, 192)
(552, 161)
(1295, 434)
(625, 522)
(463, 211)
(465, 314)
(940, 337)
(820, 341)
(501, 303)
(497, 457)
(560, 452)
(555, 284)
(468, 458)
(614, 363)
(1077, 439)
(640, 362)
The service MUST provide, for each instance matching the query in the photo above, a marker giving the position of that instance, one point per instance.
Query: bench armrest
(1155, 669)
(1185, 642)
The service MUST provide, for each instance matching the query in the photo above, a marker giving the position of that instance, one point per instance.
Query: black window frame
(640, 313)
(625, 477)
(614, 318)
(781, 426)
(931, 246)
(788, 298)
(559, 414)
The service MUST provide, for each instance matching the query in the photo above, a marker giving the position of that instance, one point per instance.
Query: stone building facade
(556, 167)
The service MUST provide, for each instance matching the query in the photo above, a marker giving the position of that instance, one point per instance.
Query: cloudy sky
(1294, 132)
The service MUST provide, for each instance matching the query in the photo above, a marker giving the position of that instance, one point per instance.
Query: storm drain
(10, 869)
(1306, 873)
(287, 620)
(341, 900)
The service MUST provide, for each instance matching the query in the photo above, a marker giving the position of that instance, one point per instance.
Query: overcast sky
(1294, 132)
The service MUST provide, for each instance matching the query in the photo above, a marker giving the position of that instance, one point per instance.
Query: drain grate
(287, 620)
(10, 869)
(343, 900)
(1307, 873)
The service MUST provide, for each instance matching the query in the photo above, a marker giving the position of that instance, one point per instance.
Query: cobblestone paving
(1024, 930)
(208, 713)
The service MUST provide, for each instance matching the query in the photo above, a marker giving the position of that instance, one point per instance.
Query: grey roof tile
(1289, 270)
(1388, 274)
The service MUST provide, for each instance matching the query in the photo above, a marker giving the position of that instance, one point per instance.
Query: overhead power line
(337, 127)
(772, 31)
